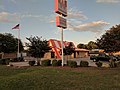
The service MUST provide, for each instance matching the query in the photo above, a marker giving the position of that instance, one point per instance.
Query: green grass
(57, 78)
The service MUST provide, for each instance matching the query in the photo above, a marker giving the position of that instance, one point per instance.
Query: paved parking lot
(91, 63)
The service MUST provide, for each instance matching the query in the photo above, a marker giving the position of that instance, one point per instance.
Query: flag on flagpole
(16, 27)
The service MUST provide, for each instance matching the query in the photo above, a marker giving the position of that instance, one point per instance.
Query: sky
(87, 19)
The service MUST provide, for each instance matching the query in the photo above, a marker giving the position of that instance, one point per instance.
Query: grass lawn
(57, 78)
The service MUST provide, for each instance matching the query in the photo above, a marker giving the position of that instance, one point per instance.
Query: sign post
(61, 22)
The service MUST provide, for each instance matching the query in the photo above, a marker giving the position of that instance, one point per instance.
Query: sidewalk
(19, 64)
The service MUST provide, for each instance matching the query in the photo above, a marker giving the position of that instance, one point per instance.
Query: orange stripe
(59, 43)
(55, 49)
(56, 52)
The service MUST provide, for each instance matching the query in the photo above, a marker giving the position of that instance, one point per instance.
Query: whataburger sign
(61, 22)
(61, 9)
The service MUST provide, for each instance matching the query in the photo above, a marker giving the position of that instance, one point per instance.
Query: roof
(57, 43)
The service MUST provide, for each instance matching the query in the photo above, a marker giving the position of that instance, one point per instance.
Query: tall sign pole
(61, 22)
(62, 46)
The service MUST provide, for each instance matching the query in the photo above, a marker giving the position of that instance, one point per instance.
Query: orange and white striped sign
(56, 46)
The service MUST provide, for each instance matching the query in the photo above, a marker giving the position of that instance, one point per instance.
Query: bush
(72, 64)
(112, 64)
(59, 62)
(46, 62)
(4, 61)
(20, 59)
(14, 60)
(118, 63)
(84, 64)
(54, 63)
(99, 64)
(31, 63)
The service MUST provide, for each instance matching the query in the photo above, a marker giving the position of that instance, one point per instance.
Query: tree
(37, 46)
(92, 45)
(68, 50)
(9, 44)
(83, 46)
(110, 41)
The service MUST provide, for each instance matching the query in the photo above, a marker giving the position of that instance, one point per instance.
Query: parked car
(100, 57)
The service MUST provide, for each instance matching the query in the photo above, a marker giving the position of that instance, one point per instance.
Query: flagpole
(18, 42)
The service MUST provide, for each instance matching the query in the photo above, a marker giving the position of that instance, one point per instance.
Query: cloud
(108, 1)
(34, 16)
(95, 27)
(14, 1)
(31, 16)
(75, 14)
(8, 17)
(75, 23)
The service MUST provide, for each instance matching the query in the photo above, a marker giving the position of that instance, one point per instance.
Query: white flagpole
(18, 42)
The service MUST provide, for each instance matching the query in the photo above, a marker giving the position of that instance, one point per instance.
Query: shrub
(118, 63)
(46, 62)
(99, 64)
(54, 63)
(84, 64)
(59, 62)
(4, 61)
(14, 60)
(72, 64)
(112, 64)
(20, 59)
(31, 63)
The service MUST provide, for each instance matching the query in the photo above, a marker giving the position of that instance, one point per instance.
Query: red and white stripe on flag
(16, 27)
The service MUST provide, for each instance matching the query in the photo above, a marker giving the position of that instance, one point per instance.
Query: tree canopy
(68, 50)
(37, 46)
(110, 41)
(9, 44)
(84, 46)
(91, 45)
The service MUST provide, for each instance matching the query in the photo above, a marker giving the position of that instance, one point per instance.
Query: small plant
(59, 62)
(72, 64)
(54, 63)
(46, 62)
(31, 63)
(99, 64)
(4, 61)
(113, 64)
(84, 64)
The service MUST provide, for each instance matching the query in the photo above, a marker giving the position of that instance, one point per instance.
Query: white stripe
(56, 44)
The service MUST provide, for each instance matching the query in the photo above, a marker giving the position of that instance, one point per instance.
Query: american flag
(16, 27)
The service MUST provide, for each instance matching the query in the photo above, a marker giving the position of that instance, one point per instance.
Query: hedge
(99, 64)
(46, 62)
(31, 63)
(84, 63)
(4, 61)
(72, 64)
